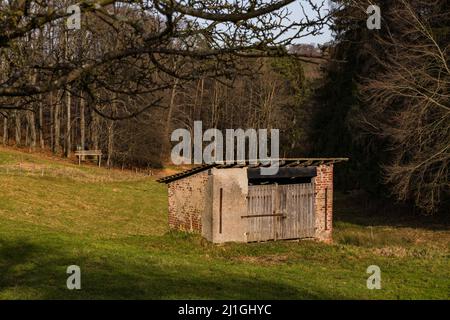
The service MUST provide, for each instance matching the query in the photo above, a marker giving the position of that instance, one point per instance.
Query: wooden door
(280, 212)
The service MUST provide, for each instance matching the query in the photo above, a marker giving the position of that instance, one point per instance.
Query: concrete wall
(234, 185)
(323, 183)
(187, 199)
(207, 216)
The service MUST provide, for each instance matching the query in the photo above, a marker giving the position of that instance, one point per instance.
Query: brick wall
(324, 194)
(187, 202)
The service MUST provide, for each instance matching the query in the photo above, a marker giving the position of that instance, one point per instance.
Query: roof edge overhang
(285, 162)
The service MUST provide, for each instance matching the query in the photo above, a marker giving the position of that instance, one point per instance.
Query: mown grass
(113, 225)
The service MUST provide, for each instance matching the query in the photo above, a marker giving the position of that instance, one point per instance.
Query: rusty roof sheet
(285, 162)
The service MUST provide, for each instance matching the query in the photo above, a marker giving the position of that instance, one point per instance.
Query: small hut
(236, 202)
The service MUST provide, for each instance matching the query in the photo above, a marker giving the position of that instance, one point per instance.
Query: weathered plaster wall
(234, 185)
(207, 216)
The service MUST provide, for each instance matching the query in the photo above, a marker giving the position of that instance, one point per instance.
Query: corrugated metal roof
(291, 162)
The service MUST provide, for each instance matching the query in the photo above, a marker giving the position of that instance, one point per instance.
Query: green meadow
(113, 224)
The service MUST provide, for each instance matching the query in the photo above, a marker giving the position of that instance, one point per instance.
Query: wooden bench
(81, 154)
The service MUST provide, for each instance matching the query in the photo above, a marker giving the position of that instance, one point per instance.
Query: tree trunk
(27, 131)
(68, 125)
(111, 136)
(68, 141)
(202, 90)
(52, 124)
(41, 126)
(166, 145)
(110, 143)
(94, 130)
(82, 124)
(57, 126)
(32, 130)
(5, 131)
(18, 130)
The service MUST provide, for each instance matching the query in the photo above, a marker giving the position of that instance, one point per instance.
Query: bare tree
(408, 101)
(125, 50)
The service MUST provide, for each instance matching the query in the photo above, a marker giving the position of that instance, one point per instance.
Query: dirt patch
(398, 252)
(264, 260)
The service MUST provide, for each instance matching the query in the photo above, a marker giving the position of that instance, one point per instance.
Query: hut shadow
(24, 269)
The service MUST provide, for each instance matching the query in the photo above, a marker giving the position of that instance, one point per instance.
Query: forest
(137, 70)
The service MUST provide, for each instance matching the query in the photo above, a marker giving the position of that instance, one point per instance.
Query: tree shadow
(41, 270)
(12, 255)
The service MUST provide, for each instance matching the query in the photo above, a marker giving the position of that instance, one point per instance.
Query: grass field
(113, 225)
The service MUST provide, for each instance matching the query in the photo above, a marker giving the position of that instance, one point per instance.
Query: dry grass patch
(266, 260)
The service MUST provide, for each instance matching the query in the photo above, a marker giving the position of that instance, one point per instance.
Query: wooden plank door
(298, 206)
(280, 212)
(260, 219)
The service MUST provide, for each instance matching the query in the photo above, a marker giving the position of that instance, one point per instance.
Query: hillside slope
(113, 225)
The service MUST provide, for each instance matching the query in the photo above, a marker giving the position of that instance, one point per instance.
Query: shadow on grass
(35, 271)
(360, 209)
